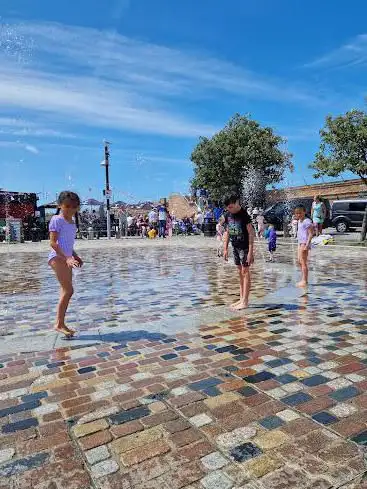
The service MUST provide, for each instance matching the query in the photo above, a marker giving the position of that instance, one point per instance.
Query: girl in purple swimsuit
(62, 258)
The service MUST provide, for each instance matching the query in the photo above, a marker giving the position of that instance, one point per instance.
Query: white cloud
(22, 127)
(351, 54)
(85, 76)
(31, 149)
(17, 144)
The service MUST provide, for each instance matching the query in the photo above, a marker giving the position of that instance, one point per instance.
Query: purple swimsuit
(66, 235)
(303, 227)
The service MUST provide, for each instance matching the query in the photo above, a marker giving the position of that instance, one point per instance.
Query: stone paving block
(89, 428)
(286, 477)
(296, 399)
(136, 440)
(19, 425)
(138, 455)
(104, 468)
(6, 454)
(200, 420)
(95, 440)
(25, 406)
(180, 391)
(345, 393)
(288, 415)
(339, 383)
(99, 414)
(226, 398)
(340, 453)
(130, 415)
(160, 418)
(185, 399)
(18, 466)
(152, 468)
(214, 461)
(272, 439)
(261, 465)
(236, 437)
(324, 418)
(216, 480)
(361, 438)
(97, 454)
(119, 431)
(271, 422)
(186, 437)
(176, 426)
(316, 441)
(194, 451)
(157, 407)
(181, 477)
(245, 451)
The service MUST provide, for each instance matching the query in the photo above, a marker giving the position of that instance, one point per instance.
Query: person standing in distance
(318, 214)
(240, 232)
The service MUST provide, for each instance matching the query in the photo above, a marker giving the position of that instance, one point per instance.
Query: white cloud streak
(31, 149)
(351, 54)
(102, 79)
(17, 144)
(24, 128)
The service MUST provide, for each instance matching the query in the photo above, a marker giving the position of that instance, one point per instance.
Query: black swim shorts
(240, 256)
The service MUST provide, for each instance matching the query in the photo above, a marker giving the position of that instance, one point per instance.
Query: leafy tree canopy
(222, 162)
(343, 146)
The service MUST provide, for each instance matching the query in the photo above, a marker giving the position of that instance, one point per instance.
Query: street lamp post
(107, 191)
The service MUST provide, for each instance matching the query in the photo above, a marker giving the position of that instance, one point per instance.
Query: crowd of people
(157, 223)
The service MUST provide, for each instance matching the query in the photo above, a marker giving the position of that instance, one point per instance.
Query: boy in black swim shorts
(239, 230)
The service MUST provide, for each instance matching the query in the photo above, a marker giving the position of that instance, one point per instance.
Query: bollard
(90, 233)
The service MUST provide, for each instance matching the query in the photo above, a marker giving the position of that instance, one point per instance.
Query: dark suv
(277, 213)
(346, 214)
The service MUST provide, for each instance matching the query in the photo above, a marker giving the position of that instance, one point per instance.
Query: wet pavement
(165, 387)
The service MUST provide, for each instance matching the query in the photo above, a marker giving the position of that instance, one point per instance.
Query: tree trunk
(364, 226)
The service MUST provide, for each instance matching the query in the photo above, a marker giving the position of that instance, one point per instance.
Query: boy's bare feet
(65, 330)
(241, 305)
(302, 284)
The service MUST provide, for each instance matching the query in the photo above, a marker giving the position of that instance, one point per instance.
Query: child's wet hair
(301, 208)
(231, 199)
(67, 195)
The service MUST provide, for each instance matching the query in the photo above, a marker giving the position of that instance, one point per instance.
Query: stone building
(347, 189)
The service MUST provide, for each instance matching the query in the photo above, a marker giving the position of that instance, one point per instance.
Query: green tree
(222, 162)
(343, 148)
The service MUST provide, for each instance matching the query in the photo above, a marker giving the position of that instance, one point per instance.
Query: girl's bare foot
(302, 284)
(241, 305)
(65, 330)
(235, 304)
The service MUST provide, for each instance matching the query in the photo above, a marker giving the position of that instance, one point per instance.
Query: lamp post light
(107, 191)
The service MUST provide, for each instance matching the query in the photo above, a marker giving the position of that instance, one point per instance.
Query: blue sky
(153, 75)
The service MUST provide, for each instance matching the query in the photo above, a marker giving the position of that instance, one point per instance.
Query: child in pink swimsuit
(62, 258)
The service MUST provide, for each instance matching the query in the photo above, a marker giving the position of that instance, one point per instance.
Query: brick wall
(348, 189)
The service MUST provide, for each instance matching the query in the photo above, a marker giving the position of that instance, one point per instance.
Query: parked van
(347, 214)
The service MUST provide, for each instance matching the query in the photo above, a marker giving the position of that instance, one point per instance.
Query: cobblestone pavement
(272, 398)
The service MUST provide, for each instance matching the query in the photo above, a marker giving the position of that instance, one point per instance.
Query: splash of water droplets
(253, 187)
(14, 45)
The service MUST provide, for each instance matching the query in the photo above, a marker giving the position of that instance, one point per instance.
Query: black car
(282, 211)
(347, 214)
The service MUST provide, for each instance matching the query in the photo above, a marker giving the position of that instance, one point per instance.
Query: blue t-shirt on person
(162, 214)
